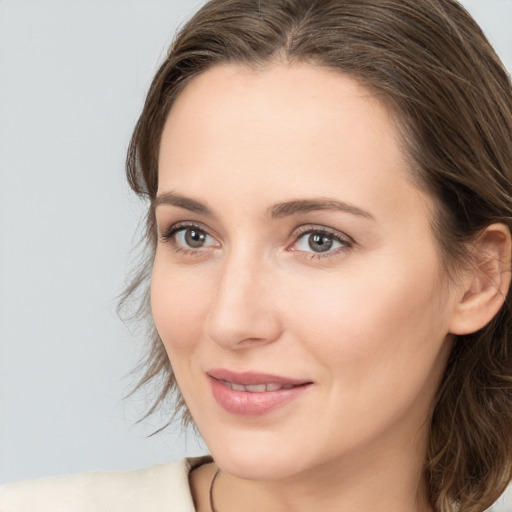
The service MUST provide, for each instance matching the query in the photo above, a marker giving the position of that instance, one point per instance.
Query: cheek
(368, 336)
(372, 319)
(179, 303)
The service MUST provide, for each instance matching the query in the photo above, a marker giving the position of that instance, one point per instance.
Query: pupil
(320, 243)
(194, 238)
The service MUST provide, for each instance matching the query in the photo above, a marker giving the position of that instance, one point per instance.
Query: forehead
(274, 98)
(285, 130)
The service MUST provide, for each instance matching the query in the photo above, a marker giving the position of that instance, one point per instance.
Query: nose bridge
(243, 310)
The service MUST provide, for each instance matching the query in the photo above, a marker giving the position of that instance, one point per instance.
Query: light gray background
(73, 75)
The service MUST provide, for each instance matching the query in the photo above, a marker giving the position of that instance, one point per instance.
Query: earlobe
(486, 283)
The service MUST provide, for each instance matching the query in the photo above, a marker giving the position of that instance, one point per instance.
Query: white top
(161, 488)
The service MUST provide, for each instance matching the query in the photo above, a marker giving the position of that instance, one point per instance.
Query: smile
(254, 394)
(258, 388)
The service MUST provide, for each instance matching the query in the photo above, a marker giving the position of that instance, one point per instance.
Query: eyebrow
(308, 205)
(276, 211)
(186, 203)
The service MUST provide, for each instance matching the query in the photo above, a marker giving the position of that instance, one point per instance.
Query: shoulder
(161, 488)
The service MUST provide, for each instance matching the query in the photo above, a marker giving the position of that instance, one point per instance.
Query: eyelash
(346, 243)
(170, 234)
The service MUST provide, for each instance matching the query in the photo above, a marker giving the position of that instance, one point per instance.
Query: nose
(243, 312)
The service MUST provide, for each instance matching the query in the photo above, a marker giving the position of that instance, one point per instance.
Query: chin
(262, 469)
(258, 460)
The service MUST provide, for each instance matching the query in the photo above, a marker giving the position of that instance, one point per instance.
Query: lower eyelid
(331, 254)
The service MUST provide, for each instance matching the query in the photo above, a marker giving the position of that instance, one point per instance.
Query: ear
(485, 285)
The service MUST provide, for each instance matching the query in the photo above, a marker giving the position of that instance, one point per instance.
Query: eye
(188, 237)
(317, 241)
(193, 238)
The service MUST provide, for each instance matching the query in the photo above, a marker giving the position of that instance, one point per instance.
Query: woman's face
(297, 284)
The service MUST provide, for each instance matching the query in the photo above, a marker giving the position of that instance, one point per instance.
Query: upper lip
(253, 378)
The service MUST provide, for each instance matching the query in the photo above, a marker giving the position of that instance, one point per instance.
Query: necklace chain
(210, 492)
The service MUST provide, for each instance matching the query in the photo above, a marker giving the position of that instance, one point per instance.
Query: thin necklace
(212, 507)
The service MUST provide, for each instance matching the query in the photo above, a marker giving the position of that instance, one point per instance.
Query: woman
(329, 186)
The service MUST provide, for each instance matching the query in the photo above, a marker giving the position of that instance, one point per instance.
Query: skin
(368, 322)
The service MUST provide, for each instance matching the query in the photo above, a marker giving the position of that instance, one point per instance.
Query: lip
(248, 403)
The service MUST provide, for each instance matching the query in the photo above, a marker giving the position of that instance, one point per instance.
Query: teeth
(257, 388)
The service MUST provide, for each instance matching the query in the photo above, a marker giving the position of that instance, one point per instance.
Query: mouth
(254, 394)
(254, 382)
(259, 388)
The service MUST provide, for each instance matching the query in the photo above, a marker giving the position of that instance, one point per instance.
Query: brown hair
(432, 64)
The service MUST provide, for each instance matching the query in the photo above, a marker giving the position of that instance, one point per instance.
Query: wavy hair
(431, 64)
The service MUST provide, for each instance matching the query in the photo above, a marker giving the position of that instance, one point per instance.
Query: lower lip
(246, 403)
